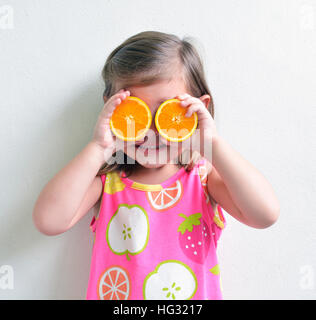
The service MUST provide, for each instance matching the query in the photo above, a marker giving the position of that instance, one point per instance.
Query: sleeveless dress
(156, 241)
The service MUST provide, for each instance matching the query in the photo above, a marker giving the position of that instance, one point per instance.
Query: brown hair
(148, 57)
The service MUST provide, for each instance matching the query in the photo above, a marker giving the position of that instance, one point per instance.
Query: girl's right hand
(103, 135)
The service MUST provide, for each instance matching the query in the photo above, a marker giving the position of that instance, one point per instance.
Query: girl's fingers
(192, 104)
(193, 108)
(114, 101)
(122, 94)
(119, 97)
(188, 101)
(108, 109)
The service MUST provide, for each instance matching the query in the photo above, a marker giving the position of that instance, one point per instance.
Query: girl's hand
(206, 124)
(103, 135)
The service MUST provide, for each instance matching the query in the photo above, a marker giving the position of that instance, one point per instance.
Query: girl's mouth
(150, 149)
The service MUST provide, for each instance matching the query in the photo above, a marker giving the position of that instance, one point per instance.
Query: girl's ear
(206, 100)
(105, 98)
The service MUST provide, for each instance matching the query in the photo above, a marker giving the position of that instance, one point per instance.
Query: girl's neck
(154, 175)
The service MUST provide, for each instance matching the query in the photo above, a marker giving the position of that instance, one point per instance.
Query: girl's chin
(151, 165)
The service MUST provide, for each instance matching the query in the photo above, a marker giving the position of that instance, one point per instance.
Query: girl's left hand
(206, 129)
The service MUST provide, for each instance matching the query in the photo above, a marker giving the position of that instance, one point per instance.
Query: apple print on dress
(171, 280)
(194, 237)
(128, 230)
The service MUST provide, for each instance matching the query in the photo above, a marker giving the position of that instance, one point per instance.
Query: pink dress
(156, 241)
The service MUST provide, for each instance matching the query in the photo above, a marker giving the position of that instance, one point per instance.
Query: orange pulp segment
(131, 119)
(171, 122)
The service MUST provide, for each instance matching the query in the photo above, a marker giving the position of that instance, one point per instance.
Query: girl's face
(153, 151)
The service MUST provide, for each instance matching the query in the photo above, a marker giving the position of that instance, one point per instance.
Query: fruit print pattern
(166, 198)
(215, 270)
(194, 237)
(160, 239)
(114, 284)
(128, 230)
(171, 280)
(219, 218)
(113, 183)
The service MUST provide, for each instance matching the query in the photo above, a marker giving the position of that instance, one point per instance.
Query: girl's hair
(146, 58)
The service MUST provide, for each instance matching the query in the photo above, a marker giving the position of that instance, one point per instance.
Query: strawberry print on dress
(194, 237)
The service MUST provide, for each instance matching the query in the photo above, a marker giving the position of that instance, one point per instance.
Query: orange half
(131, 119)
(171, 122)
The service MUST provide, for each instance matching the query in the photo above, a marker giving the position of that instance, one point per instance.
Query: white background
(260, 62)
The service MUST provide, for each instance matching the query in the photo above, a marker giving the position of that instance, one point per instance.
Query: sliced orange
(165, 198)
(171, 122)
(114, 284)
(131, 119)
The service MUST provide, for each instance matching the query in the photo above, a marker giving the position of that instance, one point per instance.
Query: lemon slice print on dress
(218, 218)
(171, 280)
(113, 183)
(127, 232)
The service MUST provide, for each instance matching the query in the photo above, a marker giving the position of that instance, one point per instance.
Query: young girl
(159, 222)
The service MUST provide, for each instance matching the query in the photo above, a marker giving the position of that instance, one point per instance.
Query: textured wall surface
(260, 62)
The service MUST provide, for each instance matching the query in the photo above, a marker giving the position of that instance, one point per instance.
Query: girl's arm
(240, 188)
(71, 193)
(234, 184)
(75, 189)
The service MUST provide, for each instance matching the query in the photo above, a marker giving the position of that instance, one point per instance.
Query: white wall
(260, 62)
